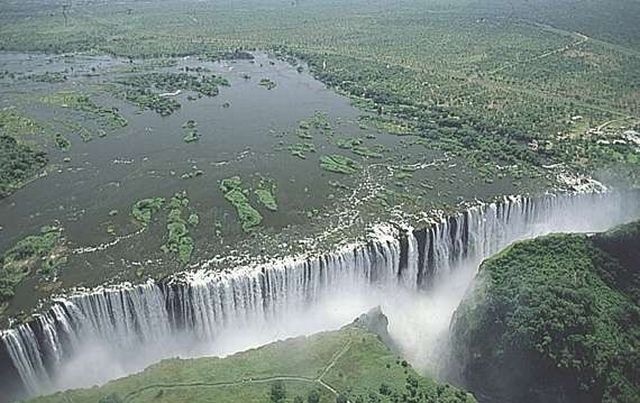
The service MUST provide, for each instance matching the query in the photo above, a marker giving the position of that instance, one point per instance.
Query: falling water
(418, 276)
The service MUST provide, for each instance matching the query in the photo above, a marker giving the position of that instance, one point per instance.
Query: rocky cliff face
(376, 322)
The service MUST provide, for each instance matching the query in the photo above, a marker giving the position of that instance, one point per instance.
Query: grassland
(350, 364)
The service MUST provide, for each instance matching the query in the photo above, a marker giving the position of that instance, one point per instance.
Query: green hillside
(555, 319)
(351, 364)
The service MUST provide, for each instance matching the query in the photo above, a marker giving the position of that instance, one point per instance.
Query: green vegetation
(388, 125)
(502, 87)
(146, 99)
(42, 253)
(190, 131)
(70, 126)
(320, 121)
(267, 199)
(499, 83)
(400, 175)
(267, 83)
(356, 145)
(303, 131)
(62, 142)
(144, 209)
(193, 220)
(232, 189)
(48, 77)
(555, 319)
(179, 241)
(278, 392)
(300, 149)
(339, 164)
(144, 89)
(265, 193)
(81, 102)
(171, 82)
(352, 361)
(18, 164)
(16, 124)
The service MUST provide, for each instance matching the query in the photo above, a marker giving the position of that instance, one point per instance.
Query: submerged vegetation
(357, 146)
(62, 142)
(300, 150)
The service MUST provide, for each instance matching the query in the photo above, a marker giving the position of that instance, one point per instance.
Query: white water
(94, 337)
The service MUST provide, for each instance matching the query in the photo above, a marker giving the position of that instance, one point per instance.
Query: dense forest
(555, 319)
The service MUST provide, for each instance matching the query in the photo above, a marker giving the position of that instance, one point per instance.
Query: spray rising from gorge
(418, 277)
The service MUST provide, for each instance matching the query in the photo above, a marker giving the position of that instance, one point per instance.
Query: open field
(352, 364)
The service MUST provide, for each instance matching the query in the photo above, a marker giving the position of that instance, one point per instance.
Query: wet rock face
(377, 323)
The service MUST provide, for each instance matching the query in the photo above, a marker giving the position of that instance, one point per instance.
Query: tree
(385, 389)
(278, 392)
(313, 397)
(112, 398)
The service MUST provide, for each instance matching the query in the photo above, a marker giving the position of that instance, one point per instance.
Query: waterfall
(133, 326)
